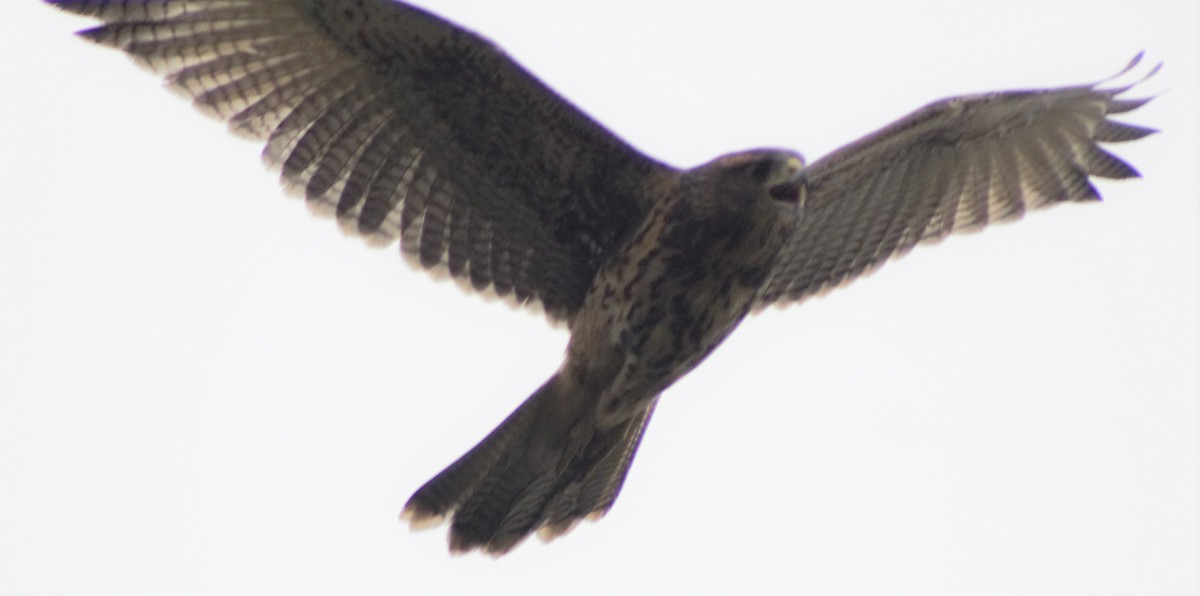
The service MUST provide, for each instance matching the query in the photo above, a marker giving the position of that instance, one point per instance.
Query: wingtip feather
(1109, 131)
(419, 518)
(1124, 71)
(73, 6)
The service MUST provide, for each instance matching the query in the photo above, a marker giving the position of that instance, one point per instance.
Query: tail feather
(594, 493)
(506, 487)
(430, 505)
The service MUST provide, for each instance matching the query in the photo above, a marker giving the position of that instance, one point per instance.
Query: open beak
(791, 191)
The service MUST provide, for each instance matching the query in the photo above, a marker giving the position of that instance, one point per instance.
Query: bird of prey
(408, 127)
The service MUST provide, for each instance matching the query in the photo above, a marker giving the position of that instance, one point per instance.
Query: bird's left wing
(407, 127)
(956, 164)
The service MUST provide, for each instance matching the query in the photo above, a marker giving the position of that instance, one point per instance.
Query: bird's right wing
(956, 164)
(407, 127)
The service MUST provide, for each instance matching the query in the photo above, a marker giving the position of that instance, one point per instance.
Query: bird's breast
(680, 287)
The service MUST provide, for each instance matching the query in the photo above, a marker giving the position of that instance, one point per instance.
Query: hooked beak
(791, 191)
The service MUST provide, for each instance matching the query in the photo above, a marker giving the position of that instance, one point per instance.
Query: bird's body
(407, 127)
(686, 278)
(677, 287)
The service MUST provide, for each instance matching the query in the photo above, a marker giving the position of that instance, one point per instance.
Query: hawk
(409, 128)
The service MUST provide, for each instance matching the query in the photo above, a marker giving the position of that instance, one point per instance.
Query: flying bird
(409, 128)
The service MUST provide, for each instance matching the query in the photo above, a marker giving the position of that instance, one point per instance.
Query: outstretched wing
(407, 127)
(956, 164)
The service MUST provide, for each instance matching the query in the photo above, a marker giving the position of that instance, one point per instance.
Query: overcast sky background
(205, 390)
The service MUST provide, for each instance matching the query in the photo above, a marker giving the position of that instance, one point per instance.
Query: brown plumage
(407, 127)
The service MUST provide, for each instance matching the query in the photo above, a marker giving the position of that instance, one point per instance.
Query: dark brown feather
(407, 127)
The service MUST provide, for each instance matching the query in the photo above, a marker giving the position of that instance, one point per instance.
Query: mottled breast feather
(954, 165)
(406, 127)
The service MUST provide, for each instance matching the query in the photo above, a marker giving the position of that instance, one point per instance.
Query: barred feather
(405, 127)
(957, 165)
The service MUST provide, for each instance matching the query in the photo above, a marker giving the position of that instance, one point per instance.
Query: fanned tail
(543, 469)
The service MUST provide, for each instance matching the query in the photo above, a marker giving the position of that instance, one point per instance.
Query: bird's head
(758, 181)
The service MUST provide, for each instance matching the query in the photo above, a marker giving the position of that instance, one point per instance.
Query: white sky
(204, 390)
